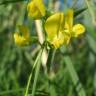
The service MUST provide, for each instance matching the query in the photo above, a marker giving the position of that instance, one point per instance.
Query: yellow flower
(74, 30)
(54, 27)
(59, 39)
(36, 9)
(23, 38)
(60, 29)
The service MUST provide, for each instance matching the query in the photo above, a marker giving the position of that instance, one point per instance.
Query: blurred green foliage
(16, 63)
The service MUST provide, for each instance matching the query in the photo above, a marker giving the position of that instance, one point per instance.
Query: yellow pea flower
(74, 30)
(54, 27)
(60, 29)
(60, 39)
(36, 9)
(22, 39)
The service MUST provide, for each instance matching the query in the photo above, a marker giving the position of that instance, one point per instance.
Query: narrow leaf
(77, 12)
(10, 1)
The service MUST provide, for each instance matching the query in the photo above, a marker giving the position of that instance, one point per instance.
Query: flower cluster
(59, 27)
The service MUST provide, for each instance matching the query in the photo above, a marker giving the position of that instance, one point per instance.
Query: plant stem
(36, 73)
(29, 80)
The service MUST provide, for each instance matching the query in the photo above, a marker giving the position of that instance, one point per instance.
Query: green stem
(36, 73)
(29, 80)
(74, 76)
(49, 61)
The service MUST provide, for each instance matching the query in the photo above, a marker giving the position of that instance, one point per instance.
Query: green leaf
(92, 43)
(9, 92)
(77, 12)
(74, 76)
(10, 1)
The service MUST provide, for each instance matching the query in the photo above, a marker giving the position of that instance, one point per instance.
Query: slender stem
(52, 60)
(29, 80)
(49, 61)
(36, 73)
(27, 88)
(50, 4)
(74, 76)
(41, 38)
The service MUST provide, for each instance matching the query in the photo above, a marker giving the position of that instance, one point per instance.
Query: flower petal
(69, 19)
(54, 24)
(66, 39)
(77, 30)
(58, 40)
(40, 5)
